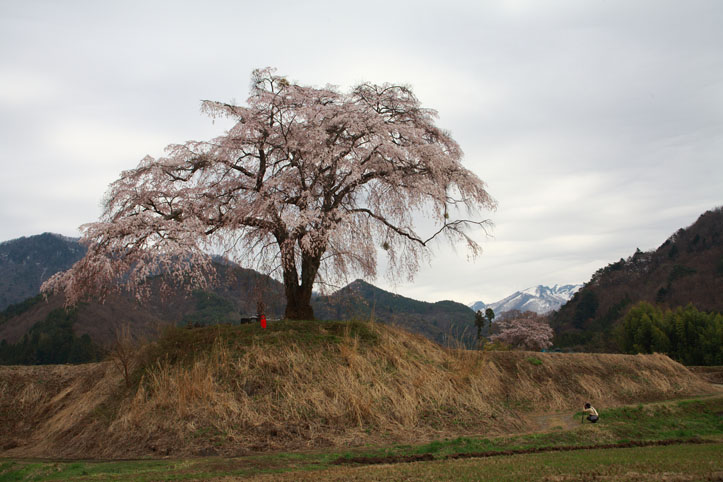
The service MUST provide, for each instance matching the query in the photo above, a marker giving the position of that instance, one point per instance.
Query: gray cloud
(597, 125)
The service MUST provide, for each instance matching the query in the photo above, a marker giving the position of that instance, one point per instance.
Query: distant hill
(236, 294)
(446, 322)
(25, 263)
(686, 268)
(233, 296)
(29, 261)
(540, 299)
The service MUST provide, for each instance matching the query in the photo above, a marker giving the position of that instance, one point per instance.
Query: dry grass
(43, 408)
(241, 390)
(273, 396)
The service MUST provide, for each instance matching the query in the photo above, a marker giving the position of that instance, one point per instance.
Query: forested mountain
(686, 269)
(25, 263)
(446, 322)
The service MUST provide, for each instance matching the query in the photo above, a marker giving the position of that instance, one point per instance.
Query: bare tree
(307, 184)
(123, 351)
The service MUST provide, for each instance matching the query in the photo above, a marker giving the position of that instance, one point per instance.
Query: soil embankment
(235, 390)
(709, 374)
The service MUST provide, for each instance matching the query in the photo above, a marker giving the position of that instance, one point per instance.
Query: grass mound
(186, 344)
(231, 390)
(301, 384)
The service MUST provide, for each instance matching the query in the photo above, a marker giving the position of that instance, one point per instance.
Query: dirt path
(554, 421)
(567, 420)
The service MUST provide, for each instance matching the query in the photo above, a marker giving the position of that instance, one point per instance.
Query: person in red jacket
(260, 308)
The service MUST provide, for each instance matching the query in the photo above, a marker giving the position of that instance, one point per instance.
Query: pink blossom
(305, 186)
(526, 331)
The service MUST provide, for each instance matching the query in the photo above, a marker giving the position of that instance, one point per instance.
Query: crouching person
(592, 413)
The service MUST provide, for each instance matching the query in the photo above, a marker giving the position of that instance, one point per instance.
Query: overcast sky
(597, 125)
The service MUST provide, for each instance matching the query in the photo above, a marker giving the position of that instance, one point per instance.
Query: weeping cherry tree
(307, 185)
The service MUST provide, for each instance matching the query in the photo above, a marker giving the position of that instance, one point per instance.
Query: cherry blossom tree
(526, 331)
(307, 185)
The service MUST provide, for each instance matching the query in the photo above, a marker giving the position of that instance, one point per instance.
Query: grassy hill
(231, 390)
(686, 269)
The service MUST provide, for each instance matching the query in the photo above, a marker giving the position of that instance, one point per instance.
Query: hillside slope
(25, 263)
(235, 294)
(231, 390)
(446, 322)
(686, 268)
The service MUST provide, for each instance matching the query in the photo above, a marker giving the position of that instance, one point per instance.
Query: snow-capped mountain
(540, 299)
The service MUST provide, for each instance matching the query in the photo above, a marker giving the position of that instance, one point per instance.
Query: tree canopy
(687, 335)
(307, 185)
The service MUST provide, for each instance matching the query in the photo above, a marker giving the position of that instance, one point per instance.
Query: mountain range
(26, 262)
(540, 299)
(686, 268)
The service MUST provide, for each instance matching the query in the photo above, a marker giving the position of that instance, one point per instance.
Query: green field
(692, 428)
(676, 462)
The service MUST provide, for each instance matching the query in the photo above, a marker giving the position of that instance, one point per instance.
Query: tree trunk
(298, 306)
(298, 295)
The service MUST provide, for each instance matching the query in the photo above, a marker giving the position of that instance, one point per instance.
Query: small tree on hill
(307, 184)
(526, 331)
(479, 321)
(482, 320)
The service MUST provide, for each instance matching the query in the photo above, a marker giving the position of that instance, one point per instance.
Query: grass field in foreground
(691, 419)
(673, 462)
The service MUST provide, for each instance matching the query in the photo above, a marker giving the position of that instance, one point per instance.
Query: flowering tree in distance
(306, 184)
(526, 331)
